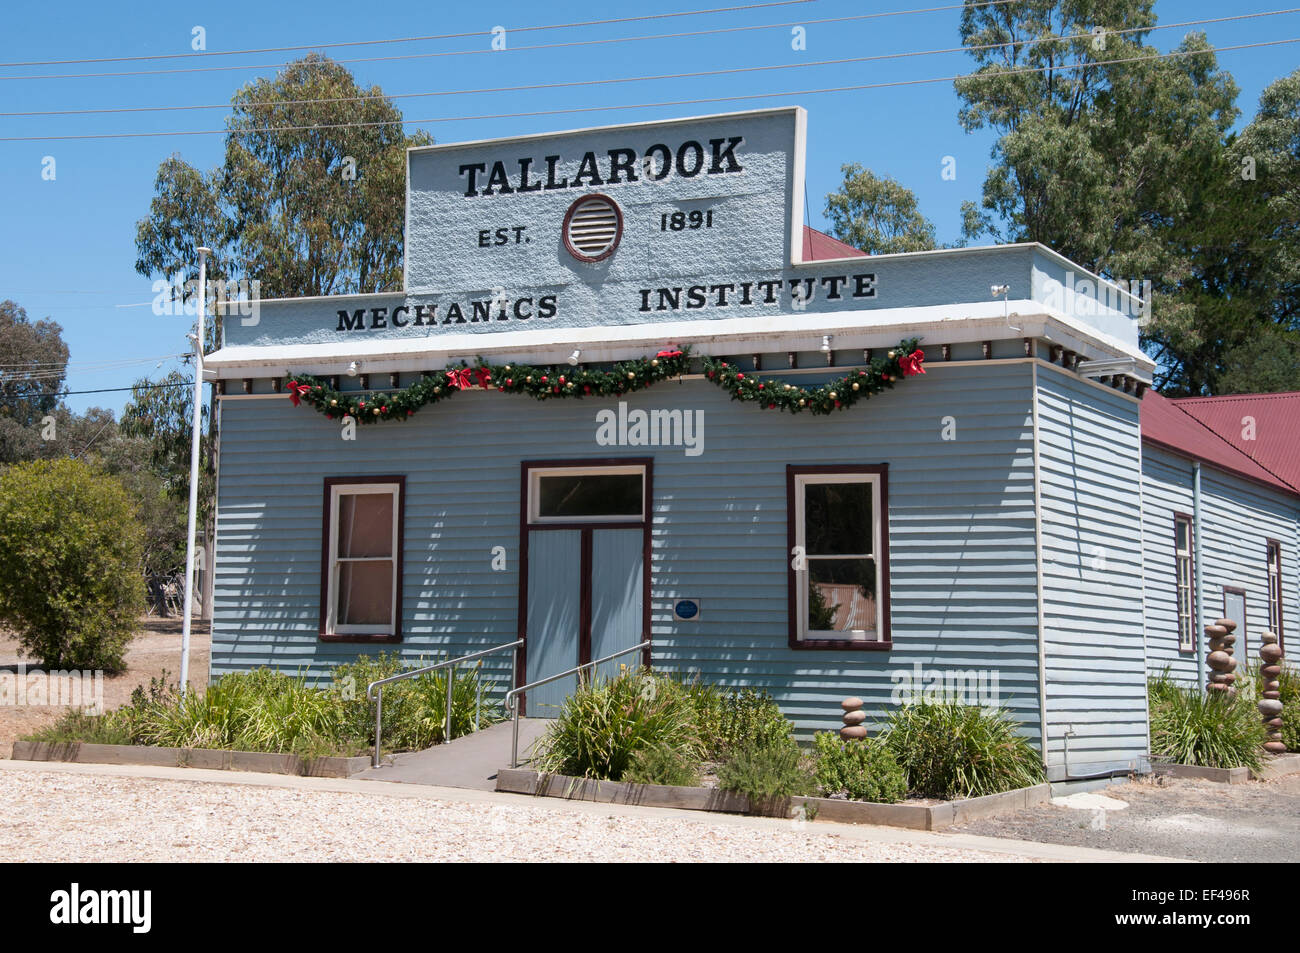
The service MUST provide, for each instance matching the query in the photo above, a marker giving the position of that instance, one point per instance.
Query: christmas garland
(771, 394)
(548, 383)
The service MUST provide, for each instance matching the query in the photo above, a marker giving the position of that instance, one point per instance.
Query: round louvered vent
(592, 227)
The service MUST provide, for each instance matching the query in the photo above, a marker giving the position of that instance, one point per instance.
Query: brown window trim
(1191, 559)
(883, 644)
(1281, 578)
(326, 529)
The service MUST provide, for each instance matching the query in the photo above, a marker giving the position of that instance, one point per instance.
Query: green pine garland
(548, 383)
(772, 394)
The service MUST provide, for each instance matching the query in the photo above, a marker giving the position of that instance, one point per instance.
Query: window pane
(841, 595)
(1183, 528)
(590, 494)
(365, 524)
(837, 518)
(366, 593)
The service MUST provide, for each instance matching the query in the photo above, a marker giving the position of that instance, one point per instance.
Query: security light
(353, 367)
(996, 291)
(573, 358)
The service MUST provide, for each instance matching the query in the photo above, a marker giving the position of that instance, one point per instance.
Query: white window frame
(1273, 554)
(337, 492)
(535, 476)
(801, 482)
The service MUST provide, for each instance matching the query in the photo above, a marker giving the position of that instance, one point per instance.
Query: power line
(515, 49)
(416, 39)
(678, 102)
(662, 76)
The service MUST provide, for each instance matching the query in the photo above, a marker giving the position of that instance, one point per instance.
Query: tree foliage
(284, 208)
(877, 214)
(33, 363)
(1124, 162)
(70, 555)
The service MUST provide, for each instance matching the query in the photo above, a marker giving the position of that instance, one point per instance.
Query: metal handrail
(512, 696)
(378, 697)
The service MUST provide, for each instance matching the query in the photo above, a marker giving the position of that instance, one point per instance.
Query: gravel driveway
(1195, 820)
(103, 818)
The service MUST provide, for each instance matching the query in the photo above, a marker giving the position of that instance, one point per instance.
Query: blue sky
(67, 246)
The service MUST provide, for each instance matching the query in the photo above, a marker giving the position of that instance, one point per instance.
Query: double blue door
(585, 597)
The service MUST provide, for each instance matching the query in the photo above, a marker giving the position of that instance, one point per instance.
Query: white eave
(944, 324)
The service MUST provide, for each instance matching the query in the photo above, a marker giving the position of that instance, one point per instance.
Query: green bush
(951, 751)
(606, 721)
(863, 770)
(266, 710)
(71, 551)
(729, 719)
(1190, 726)
(663, 764)
(1289, 690)
(767, 774)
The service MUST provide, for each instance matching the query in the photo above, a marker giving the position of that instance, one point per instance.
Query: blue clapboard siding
(961, 531)
(1090, 464)
(1238, 517)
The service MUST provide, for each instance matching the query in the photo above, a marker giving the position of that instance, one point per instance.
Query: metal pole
(379, 719)
(514, 738)
(194, 471)
(446, 731)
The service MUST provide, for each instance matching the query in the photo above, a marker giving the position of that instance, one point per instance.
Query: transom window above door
(586, 494)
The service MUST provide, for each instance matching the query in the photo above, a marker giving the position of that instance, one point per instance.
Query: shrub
(266, 710)
(768, 775)
(1289, 690)
(70, 561)
(730, 719)
(863, 770)
(951, 751)
(1189, 726)
(79, 726)
(663, 764)
(606, 721)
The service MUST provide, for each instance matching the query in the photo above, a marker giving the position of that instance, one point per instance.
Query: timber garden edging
(215, 758)
(926, 817)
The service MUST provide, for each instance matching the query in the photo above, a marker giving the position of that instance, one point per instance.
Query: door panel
(554, 615)
(616, 595)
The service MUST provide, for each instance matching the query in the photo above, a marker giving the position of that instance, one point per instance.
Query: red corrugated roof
(818, 246)
(1271, 437)
(1172, 425)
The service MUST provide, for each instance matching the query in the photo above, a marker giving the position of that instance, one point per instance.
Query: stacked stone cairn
(1270, 702)
(1222, 664)
(854, 717)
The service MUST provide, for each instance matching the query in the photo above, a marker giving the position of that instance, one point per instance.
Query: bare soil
(155, 649)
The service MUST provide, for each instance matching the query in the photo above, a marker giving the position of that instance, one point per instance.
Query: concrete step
(471, 761)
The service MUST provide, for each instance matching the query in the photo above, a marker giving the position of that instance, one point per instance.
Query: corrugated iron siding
(1092, 575)
(961, 531)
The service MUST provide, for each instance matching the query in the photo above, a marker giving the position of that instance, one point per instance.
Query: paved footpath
(91, 812)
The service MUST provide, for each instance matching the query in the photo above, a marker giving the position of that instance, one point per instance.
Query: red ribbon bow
(297, 392)
(911, 363)
(669, 354)
(461, 379)
(484, 377)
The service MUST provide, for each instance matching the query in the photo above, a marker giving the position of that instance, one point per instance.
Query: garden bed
(1276, 767)
(215, 758)
(918, 815)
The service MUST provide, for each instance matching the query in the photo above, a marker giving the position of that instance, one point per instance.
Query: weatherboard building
(628, 399)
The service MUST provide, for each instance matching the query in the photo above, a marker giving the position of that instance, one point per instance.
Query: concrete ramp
(468, 762)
